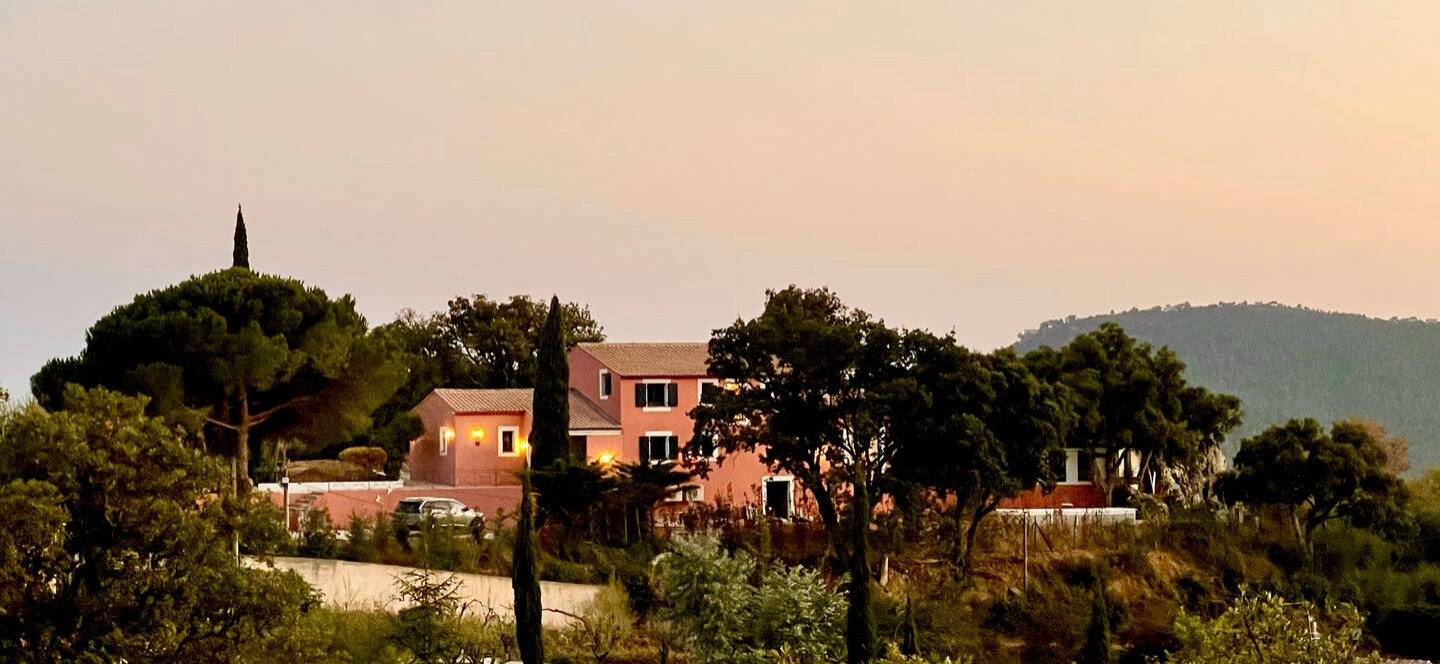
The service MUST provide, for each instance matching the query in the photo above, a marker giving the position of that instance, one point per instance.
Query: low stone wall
(367, 587)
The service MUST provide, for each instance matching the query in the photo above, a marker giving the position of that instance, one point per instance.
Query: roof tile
(652, 359)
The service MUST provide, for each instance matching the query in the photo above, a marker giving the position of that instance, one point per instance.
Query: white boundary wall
(367, 586)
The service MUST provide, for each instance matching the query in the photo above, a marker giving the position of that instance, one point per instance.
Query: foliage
(115, 538)
(240, 254)
(1128, 396)
(525, 578)
(550, 433)
(1395, 446)
(603, 622)
(1265, 628)
(1283, 360)
(1425, 492)
(251, 354)
(1097, 634)
(317, 538)
(720, 616)
(985, 429)
(1315, 476)
(369, 458)
(818, 390)
(426, 628)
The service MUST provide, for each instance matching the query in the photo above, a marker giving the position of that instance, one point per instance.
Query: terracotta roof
(652, 359)
(584, 414)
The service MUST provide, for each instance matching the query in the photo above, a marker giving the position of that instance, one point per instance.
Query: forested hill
(1288, 362)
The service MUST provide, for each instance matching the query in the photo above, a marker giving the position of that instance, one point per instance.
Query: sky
(970, 166)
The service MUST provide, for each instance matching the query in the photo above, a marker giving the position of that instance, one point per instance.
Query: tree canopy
(114, 542)
(1126, 395)
(250, 355)
(1316, 476)
(817, 388)
(1285, 360)
(985, 429)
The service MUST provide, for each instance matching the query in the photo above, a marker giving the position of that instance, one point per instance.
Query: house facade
(629, 402)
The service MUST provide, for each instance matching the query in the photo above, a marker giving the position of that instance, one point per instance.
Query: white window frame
(655, 381)
(1072, 467)
(690, 494)
(789, 493)
(645, 453)
(700, 388)
(600, 389)
(446, 434)
(500, 441)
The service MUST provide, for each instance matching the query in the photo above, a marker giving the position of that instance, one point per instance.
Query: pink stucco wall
(424, 461)
(342, 504)
(585, 377)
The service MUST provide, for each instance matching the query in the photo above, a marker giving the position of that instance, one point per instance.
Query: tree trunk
(1302, 536)
(972, 531)
(242, 446)
(525, 579)
(859, 620)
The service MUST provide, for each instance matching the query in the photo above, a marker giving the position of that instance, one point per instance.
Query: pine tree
(241, 254)
(550, 435)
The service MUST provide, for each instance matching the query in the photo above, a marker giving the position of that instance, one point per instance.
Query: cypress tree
(525, 579)
(550, 434)
(549, 445)
(1097, 634)
(241, 254)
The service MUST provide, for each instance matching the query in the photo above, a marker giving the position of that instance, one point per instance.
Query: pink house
(629, 402)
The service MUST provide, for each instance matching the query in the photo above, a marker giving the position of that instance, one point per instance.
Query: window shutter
(640, 394)
(673, 394)
(644, 450)
(674, 449)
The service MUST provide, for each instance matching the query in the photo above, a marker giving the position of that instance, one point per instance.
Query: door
(777, 497)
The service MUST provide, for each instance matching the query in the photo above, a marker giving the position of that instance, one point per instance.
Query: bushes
(720, 615)
(370, 458)
(1273, 630)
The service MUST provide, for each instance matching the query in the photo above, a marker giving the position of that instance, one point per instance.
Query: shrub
(1273, 630)
(719, 615)
(361, 542)
(317, 540)
(602, 624)
(370, 458)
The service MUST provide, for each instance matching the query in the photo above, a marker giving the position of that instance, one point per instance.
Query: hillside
(1288, 362)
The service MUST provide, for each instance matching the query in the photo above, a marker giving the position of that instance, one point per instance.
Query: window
(657, 394)
(658, 446)
(687, 494)
(705, 385)
(509, 441)
(604, 384)
(1081, 467)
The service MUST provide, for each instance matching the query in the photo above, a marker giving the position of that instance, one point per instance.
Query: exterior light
(477, 434)
(447, 434)
(606, 458)
(524, 445)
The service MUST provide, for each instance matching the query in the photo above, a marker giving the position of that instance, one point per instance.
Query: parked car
(411, 514)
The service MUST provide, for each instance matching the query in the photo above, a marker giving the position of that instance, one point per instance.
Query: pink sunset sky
(979, 167)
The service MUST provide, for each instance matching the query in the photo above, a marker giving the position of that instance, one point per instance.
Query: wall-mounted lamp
(606, 458)
(446, 435)
(477, 434)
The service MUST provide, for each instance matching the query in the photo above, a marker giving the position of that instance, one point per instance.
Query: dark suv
(411, 514)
